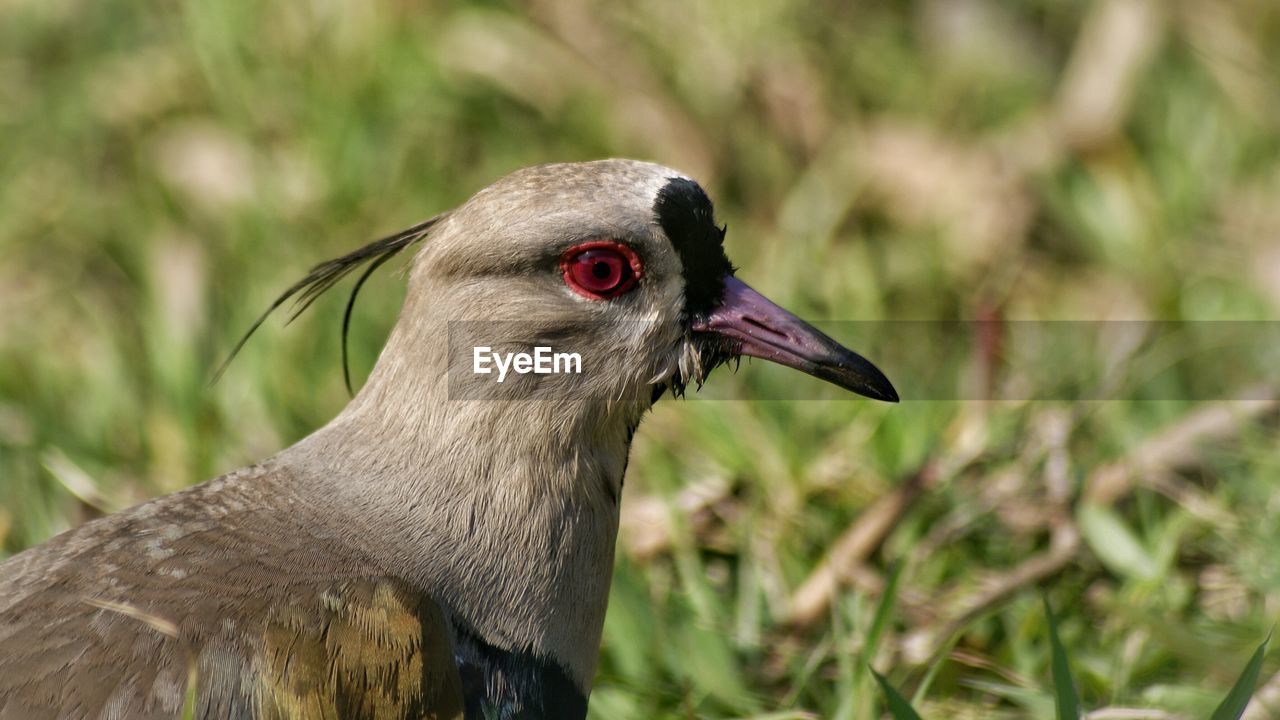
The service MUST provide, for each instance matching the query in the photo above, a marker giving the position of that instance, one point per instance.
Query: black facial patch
(685, 213)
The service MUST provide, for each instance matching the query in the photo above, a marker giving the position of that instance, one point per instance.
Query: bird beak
(753, 325)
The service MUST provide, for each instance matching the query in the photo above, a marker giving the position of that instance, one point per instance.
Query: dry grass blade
(168, 629)
(1121, 713)
(155, 622)
(1109, 57)
(928, 643)
(1176, 446)
(810, 602)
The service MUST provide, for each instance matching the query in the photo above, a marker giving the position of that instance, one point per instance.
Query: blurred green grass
(169, 167)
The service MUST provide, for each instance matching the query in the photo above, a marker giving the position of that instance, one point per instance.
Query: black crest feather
(325, 276)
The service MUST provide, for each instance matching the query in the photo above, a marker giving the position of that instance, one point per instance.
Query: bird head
(618, 261)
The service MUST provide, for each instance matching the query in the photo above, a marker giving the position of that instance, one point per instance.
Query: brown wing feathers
(278, 623)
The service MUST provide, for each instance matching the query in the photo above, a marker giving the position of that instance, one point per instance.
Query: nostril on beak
(776, 333)
(748, 320)
(756, 327)
(764, 328)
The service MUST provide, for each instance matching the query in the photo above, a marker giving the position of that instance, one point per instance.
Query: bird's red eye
(600, 269)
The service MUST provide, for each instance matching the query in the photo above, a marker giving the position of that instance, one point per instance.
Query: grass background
(168, 167)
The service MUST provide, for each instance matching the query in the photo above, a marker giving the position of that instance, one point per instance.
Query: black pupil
(601, 270)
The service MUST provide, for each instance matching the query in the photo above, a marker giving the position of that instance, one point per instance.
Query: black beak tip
(877, 387)
(889, 394)
(856, 374)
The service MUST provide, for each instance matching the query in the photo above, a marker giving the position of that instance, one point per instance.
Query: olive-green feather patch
(372, 650)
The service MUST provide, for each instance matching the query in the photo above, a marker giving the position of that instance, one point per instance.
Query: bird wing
(209, 599)
(371, 649)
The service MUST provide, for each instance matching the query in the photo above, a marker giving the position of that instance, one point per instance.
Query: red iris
(600, 269)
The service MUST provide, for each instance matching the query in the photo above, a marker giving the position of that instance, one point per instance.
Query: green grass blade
(934, 667)
(1237, 700)
(899, 708)
(1064, 690)
(883, 612)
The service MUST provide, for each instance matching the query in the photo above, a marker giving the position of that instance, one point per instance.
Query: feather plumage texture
(112, 619)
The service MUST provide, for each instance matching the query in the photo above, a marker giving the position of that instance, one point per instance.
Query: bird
(436, 550)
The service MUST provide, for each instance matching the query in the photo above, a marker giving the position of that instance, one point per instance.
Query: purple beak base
(755, 326)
